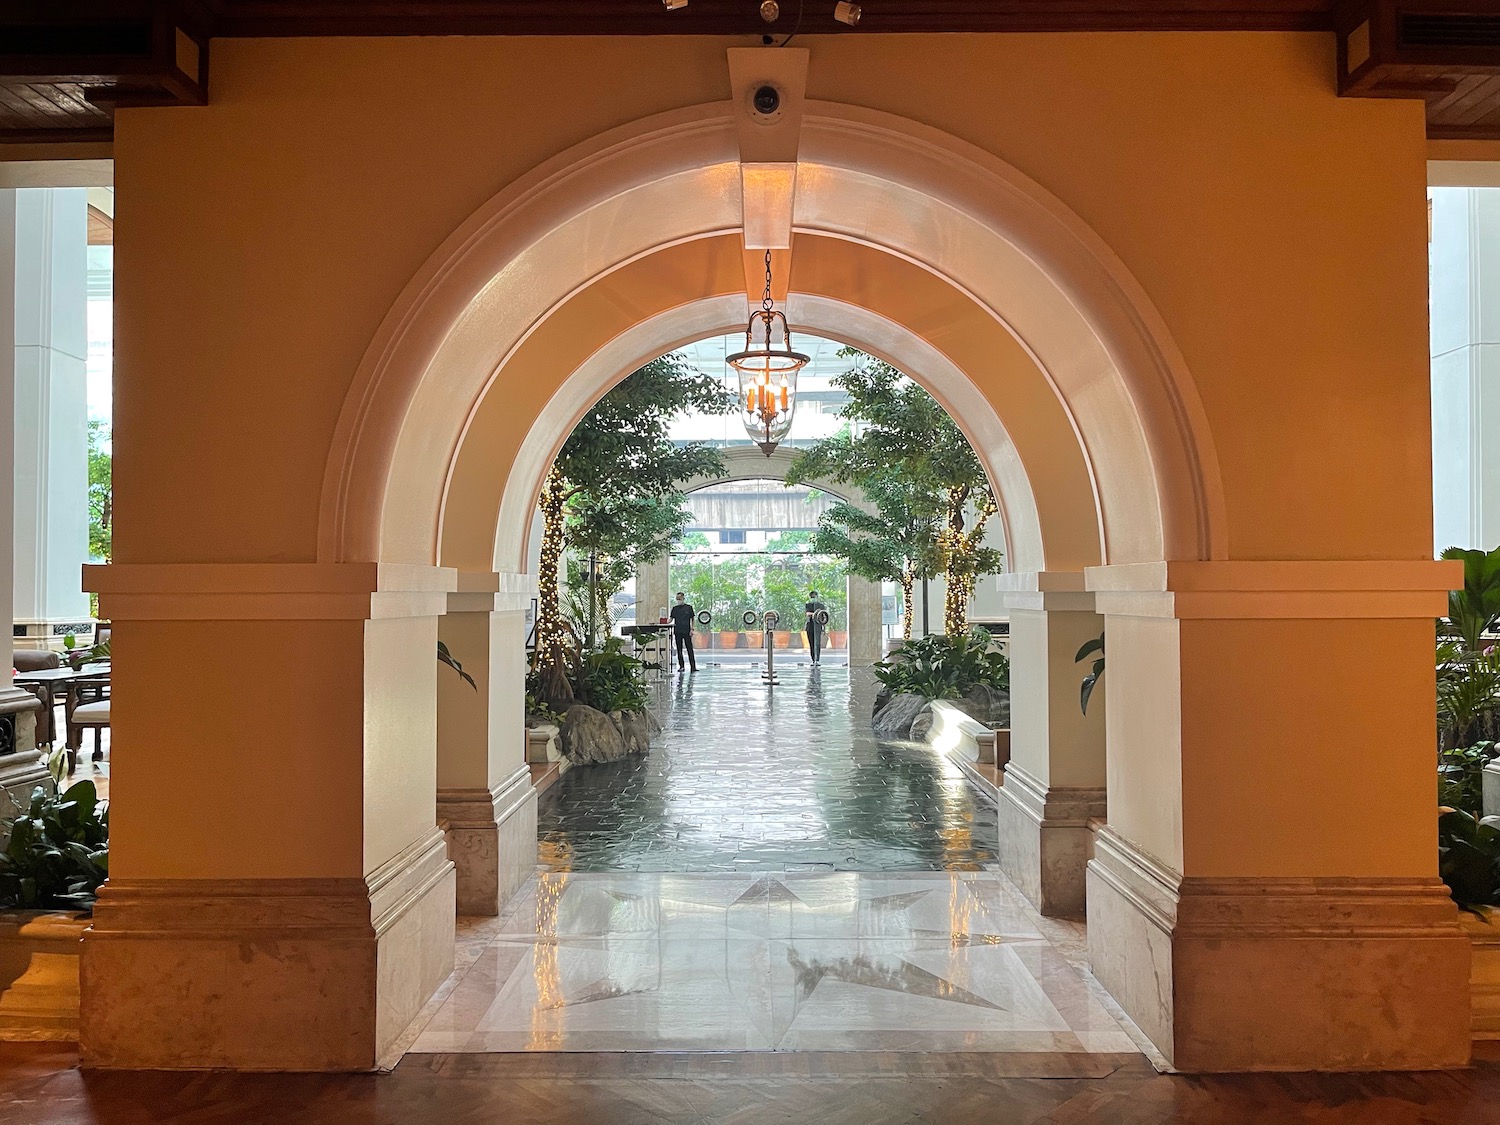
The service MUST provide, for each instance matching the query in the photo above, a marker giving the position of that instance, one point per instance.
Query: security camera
(767, 100)
(847, 13)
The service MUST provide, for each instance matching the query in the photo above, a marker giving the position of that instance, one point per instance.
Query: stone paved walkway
(743, 779)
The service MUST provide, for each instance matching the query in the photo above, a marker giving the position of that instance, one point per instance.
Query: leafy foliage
(1086, 689)
(1468, 690)
(101, 492)
(446, 657)
(608, 679)
(1461, 777)
(1469, 859)
(77, 655)
(1474, 610)
(614, 489)
(58, 851)
(924, 479)
(940, 666)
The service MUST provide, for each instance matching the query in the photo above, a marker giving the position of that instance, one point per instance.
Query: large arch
(1018, 253)
(476, 491)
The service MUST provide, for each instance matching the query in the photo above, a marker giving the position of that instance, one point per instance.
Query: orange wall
(1279, 229)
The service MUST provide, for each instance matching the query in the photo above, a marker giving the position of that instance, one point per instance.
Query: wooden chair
(87, 706)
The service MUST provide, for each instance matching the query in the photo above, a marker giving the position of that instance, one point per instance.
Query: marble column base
(1044, 840)
(265, 974)
(1252, 974)
(491, 839)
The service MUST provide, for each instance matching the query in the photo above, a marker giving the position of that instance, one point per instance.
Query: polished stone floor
(945, 962)
(771, 878)
(786, 780)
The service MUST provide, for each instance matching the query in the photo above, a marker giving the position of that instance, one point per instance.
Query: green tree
(896, 542)
(615, 488)
(101, 493)
(903, 446)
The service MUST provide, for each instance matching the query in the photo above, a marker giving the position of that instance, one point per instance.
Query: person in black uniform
(814, 626)
(682, 629)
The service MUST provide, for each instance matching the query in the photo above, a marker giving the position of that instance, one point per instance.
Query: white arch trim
(870, 177)
(1019, 519)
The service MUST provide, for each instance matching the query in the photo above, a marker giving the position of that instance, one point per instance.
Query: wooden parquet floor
(41, 1085)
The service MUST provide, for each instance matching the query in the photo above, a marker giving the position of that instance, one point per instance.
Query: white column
(1465, 277)
(865, 637)
(20, 769)
(485, 801)
(651, 590)
(51, 421)
(1054, 782)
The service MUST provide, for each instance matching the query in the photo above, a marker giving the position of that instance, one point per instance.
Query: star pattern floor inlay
(846, 961)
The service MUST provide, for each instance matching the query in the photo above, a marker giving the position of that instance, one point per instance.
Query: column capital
(1276, 589)
(1060, 590)
(268, 591)
(485, 591)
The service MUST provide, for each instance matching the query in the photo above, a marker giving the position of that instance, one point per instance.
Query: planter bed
(39, 974)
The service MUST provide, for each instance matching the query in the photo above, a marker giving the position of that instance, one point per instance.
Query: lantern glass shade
(767, 371)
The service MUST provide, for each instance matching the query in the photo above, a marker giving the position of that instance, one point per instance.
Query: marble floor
(759, 962)
(770, 878)
(746, 779)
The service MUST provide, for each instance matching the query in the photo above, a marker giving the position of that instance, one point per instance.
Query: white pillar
(51, 421)
(865, 635)
(651, 590)
(20, 767)
(1465, 276)
(1054, 782)
(486, 804)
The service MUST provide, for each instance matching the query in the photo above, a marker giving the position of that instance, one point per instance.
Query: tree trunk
(952, 545)
(550, 660)
(907, 581)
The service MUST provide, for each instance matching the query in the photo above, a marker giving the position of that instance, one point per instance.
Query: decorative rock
(589, 735)
(635, 729)
(991, 706)
(895, 718)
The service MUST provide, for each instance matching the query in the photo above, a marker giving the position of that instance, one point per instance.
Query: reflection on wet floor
(749, 779)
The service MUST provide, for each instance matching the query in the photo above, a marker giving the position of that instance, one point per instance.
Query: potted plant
(838, 638)
(55, 858)
(728, 638)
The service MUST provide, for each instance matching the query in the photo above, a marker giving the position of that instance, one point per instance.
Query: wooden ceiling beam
(1446, 52)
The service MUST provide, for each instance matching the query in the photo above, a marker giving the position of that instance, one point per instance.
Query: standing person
(814, 626)
(682, 628)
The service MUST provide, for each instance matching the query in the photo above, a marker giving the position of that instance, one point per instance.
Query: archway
(1014, 249)
(1015, 256)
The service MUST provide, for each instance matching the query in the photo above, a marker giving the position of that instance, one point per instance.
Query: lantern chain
(766, 303)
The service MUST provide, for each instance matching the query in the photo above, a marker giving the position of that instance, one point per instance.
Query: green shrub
(943, 667)
(1461, 777)
(609, 680)
(58, 851)
(1469, 859)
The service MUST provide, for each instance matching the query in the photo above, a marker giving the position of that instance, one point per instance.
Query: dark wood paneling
(739, 17)
(63, 96)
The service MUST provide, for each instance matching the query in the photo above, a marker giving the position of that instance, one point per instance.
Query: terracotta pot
(700, 640)
(838, 638)
(728, 638)
(783, 638)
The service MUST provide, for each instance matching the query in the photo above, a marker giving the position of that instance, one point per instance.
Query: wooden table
(47, 681)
